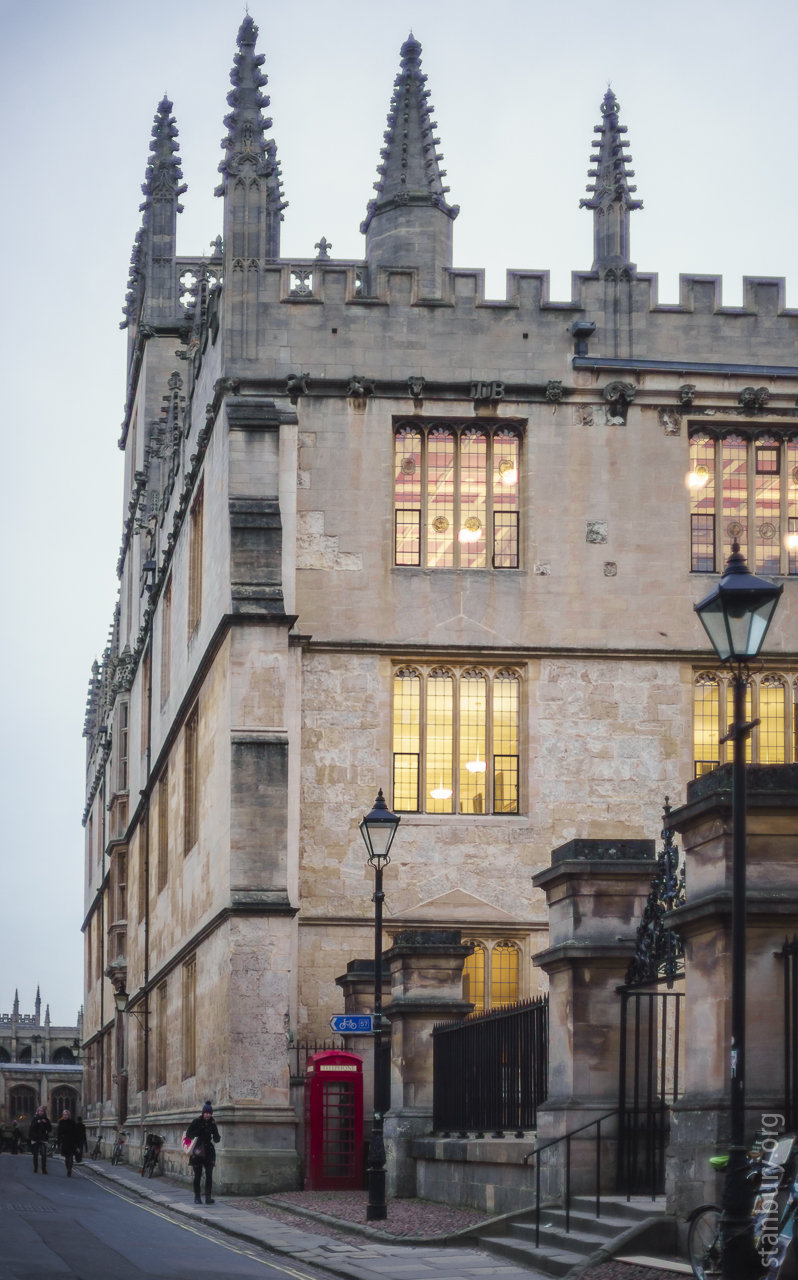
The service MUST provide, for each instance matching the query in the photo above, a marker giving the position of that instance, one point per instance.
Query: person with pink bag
(201, 1135)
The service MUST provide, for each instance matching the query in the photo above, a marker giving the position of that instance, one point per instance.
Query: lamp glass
(737, 613)
(120, 1000)
(378, 829)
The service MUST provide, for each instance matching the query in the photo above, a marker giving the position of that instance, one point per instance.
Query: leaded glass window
(770, 697)
(456, 497)
(455, 740)
(744, 489)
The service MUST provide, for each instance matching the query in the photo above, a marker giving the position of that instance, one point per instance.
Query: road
(54, 1228)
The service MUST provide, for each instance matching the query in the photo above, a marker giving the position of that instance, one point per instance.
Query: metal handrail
(566, 1138)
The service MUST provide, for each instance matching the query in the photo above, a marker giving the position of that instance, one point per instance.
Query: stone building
(381, 532)
(39, 1063)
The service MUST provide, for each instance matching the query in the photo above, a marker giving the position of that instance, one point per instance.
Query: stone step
(589, 1237)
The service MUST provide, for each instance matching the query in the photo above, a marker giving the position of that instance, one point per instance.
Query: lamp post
(378, 829)
(736, 615)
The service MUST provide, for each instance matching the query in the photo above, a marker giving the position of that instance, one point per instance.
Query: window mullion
(456, 742)
(456, 505)
(424, 512)
(490, 532)
(422, 744)
(749, 551)
(490, 763)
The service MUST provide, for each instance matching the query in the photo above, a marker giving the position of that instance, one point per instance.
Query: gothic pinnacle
(245, 145)
(611, 193)
(410, 172)
(163, 174)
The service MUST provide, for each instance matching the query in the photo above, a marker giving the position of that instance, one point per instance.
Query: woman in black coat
(67, 1138)
(204, 1153)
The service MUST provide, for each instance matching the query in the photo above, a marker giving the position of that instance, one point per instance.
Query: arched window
(504, 973)
(63, 1055)
(5, 1056)
(22, 1101)
(474, 977)
(25, 1054)
(492, 974)
(456, 497)
(63, 1099)
(455, 740)
(772, 720)
(706, 719)
(744, 488)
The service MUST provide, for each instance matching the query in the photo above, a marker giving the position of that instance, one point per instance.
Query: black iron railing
(300, 1050)
(491, 1070)
(563, 1179)
(649, 1084)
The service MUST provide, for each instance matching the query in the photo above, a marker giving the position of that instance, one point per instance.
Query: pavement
(419, 1240)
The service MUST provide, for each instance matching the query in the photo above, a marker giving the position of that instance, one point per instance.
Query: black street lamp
(736, 616)
(378, 830)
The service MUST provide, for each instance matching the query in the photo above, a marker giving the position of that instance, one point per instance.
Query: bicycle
(97, 1149)
(152, 1154)
(119, 1147)
(773, 1213)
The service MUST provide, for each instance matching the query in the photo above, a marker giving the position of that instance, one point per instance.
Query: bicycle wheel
(703, 1243)
(116, 1155)
(152, 1162)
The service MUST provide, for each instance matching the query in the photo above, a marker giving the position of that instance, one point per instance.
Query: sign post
(353, 1024)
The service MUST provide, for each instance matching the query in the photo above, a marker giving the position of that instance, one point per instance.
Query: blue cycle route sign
(358, 1024)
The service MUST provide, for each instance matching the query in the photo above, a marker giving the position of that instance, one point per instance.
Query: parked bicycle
(775, 1177)
(152, 1154)
(97, 1149)
(119, 1147)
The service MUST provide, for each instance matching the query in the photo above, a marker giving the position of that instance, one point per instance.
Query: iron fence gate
(649, 1083)
(490, 1071)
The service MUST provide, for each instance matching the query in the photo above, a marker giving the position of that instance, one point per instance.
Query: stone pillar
(426, 968)
(596, 891)
(357, 985)
(700, 1120)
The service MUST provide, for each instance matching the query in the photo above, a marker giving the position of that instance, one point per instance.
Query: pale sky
(706, 89)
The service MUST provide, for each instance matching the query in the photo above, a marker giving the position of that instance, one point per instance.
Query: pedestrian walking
(39, 1132)
(203, 1155)
(81, 1141)
(67, 1139)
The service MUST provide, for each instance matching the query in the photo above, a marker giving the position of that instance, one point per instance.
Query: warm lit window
(456, 497)
(163, 828)
(161, 1030)
(491, 974)
(190, 789)
(455, 740)
(769, 697)
(189, 1017)
(195, 565)
(744, 489)
(166, 642)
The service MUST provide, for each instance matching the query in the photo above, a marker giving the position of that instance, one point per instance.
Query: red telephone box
(334, 1121)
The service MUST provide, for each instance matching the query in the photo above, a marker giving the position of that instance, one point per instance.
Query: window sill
(462, 819)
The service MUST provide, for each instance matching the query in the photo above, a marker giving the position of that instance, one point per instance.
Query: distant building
(379, 532)
(39, 1064)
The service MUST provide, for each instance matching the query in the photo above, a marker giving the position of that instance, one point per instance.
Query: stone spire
(37, 1007)
(47, 1016)
(611, 199)
(409, 223)
(248, 155)
(15, 1007)
(153, 294)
